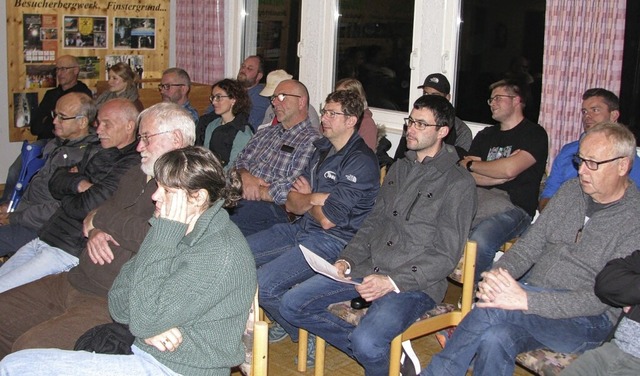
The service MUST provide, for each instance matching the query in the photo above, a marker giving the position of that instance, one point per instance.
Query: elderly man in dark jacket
(80, 189)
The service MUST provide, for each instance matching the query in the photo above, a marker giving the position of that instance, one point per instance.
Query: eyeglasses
(282, 96)
(61, 117)
(64, 69)
(409, 122)
(495, 97)
(217, 98)
(591, 165)
(331, 114)
(168, 86)
(145, 137)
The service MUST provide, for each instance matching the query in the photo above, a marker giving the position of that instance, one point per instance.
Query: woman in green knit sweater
(187, 293)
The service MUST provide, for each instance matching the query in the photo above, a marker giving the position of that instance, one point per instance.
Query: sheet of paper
(320, 265)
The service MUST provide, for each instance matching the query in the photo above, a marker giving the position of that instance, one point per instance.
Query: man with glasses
(598, 105)
(404, 251)
(460, 135)
(540, 294)
(507, 161)
(175, 87)
(333, 196)
(80, 189)
(73, 117)
(273, 159)
(54, 311)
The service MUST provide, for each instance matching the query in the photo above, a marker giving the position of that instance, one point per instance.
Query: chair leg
(260, 349)
(320, 352)
(303, 335)
(394, 356)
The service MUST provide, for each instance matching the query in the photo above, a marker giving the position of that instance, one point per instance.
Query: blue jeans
(306, 305)
(496, 336)
(493, 232)
(256, 216)
(40, 362)
(281, 264)
(33, 261)
(13, 237)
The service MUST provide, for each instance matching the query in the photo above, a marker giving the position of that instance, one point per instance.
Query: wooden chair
(441, 317)
(256, 338)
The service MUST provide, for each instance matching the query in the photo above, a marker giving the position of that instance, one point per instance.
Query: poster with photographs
(85, 32)
(40, 37)
(40, 76)
(24, 105)
(134, 33)
(136, 62)
(89, 67)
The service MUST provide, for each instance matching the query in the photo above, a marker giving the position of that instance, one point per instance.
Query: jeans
(13, 237)
(306, 305)
(256, 216)
(48, 313)
(281, 264)
(493, 232)
(33, 261)
(496, 336)
(64, 362)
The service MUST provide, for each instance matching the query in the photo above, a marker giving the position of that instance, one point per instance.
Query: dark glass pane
(374, 45)
(498, 39)
(278, 34)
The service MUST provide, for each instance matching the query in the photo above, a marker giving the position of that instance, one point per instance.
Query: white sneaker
(409, 362)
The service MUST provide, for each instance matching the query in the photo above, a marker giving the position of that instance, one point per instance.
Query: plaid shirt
(279, 156)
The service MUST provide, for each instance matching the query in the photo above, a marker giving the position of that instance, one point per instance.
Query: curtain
(200, 39)
(583, 47)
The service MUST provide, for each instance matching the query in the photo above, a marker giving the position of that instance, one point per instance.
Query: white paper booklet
(320, 265)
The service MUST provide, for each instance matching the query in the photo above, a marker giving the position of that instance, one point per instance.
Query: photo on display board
(40, 76)
(134, 33)
(136, 62)
(40, 37)
(89, 67)
(85, 32)
(24, 105)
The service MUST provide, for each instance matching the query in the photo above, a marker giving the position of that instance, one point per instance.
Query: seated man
(460, 135)
(72, 144)
(174, 87)
(617, 285)
(273, 159)
(54, 311)
(589, 221)
(249, 75)
(80, 189)
(333, 195)
(507, 161)
(404, 250)
(598, 105)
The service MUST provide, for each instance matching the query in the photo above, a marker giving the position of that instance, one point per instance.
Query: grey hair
(168, 117)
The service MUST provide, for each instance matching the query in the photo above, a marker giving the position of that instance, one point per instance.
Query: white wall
(8, 150)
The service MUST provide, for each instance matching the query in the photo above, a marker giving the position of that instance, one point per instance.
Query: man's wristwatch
(469, 166)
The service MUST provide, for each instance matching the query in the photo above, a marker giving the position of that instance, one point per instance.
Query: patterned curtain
(200, 39)
(584, 42)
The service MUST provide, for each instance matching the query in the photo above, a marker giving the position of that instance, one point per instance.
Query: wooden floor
(283, 353)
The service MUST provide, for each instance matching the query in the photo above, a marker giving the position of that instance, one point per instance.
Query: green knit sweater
(202, 283)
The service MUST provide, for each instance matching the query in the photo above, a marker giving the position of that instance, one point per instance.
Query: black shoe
(359, 303)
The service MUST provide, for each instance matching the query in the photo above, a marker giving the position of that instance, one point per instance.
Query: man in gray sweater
(540, 294)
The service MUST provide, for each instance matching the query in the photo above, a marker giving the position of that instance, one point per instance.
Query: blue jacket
(563, 169)
(351, 177)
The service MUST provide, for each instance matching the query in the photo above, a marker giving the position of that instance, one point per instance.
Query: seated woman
(186, 294)
(368, 129)
(227, 130)
(122, 84)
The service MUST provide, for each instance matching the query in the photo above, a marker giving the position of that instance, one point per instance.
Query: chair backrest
(31, 163)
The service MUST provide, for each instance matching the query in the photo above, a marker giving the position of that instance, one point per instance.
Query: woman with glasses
(229, 131)
(186, 294)
(122, 84)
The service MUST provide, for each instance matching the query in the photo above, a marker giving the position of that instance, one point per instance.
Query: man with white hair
(54, 311)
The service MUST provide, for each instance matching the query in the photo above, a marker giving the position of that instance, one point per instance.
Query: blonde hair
(351, 84)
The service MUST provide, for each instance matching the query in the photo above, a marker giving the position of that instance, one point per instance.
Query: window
(374, 46)
(498, 39)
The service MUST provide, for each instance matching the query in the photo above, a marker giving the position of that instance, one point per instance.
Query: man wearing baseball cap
(460, 134)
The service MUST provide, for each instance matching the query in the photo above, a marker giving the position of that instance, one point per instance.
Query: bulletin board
(99, 32)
